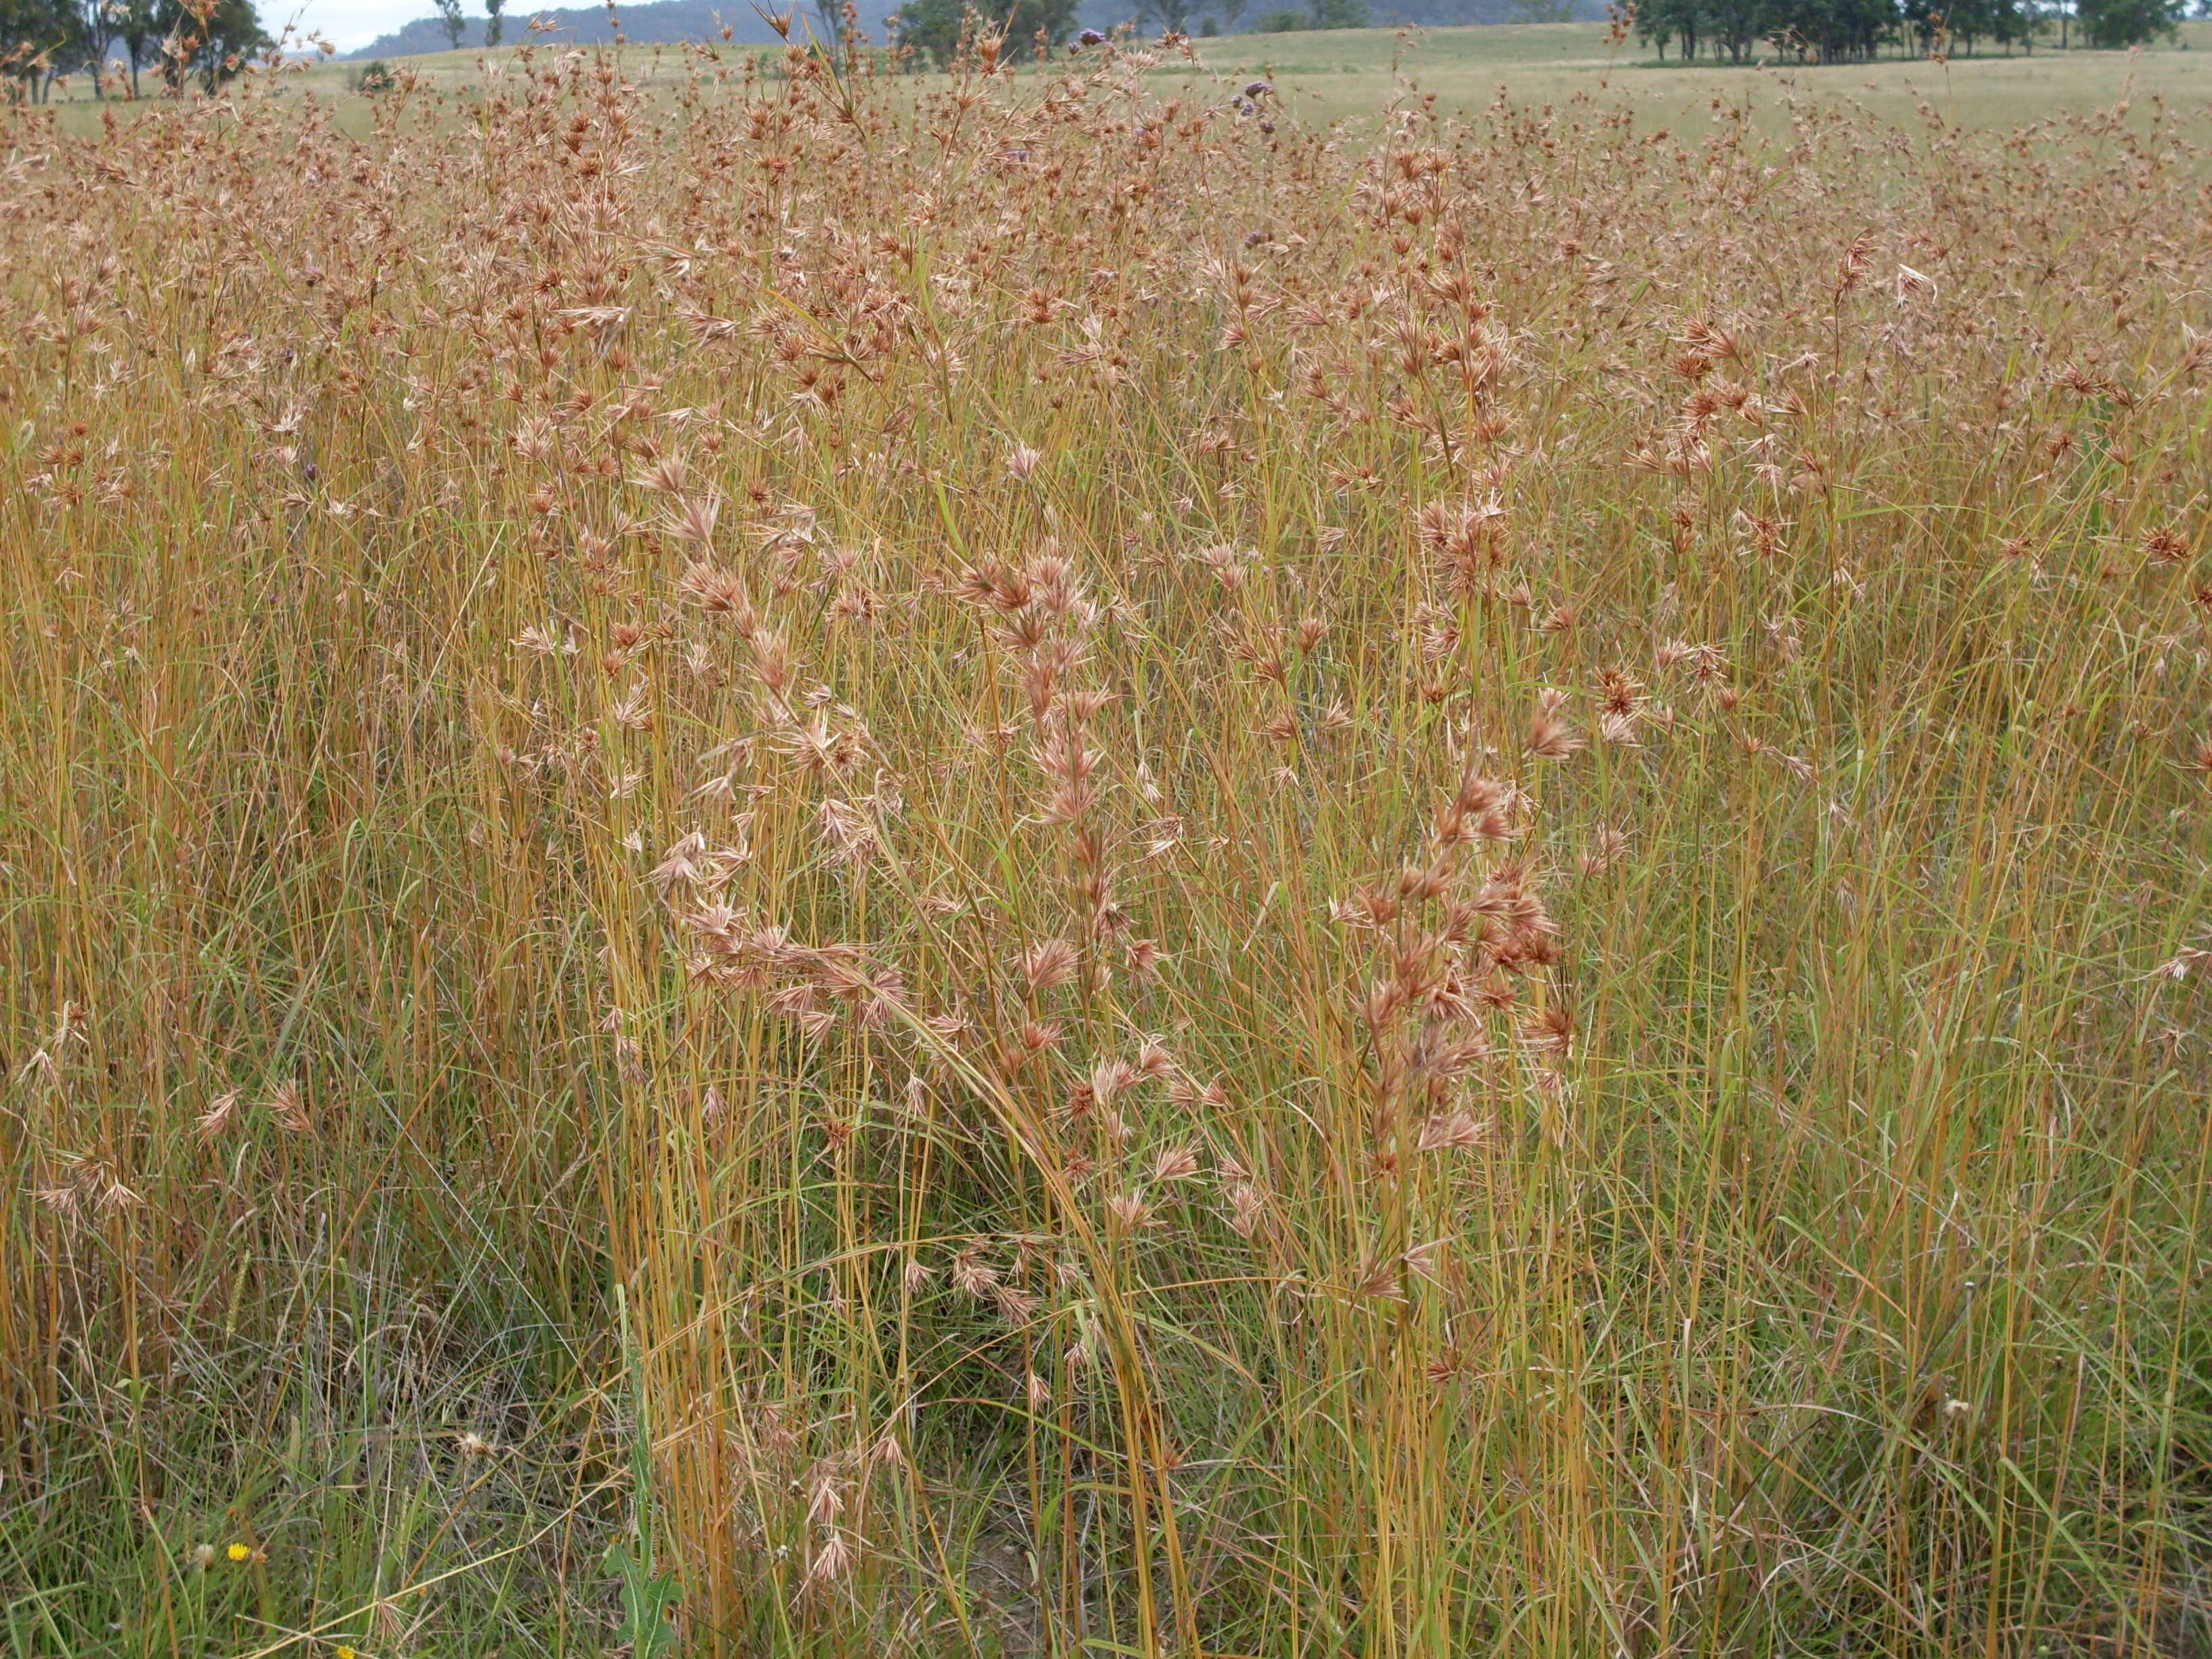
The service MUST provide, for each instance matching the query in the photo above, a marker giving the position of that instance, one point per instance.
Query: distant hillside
(663, 20)
(669, 20)
(1451, 13)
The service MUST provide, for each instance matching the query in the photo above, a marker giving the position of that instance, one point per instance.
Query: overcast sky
(351, 23)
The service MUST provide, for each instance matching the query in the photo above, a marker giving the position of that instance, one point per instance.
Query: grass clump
(1040, 868)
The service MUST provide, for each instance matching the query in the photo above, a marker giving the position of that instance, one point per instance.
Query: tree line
(1733, 31)
(1855, 31)
(180, 43)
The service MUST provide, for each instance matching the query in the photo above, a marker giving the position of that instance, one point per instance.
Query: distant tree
(1183, 16)
(451, 21)
(206, 40)
(937, 28)
(1025, 19)
(1738, 28)
(2011, 22)
(138, 31)
(1207, 17)
(1924, 23)
(1340, 14)
(1668, 21)
(1842, 31)
(930, 29)
(494, 22)
(91, 32)
(1744, 31)
(1964, 24)
(1281, 22)
(36, 37)
(1172, 16)
(2126, 22)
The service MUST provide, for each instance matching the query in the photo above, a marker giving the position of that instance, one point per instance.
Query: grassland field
(1056, 863)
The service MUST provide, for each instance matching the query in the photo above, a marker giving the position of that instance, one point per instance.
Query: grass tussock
(1041, 869)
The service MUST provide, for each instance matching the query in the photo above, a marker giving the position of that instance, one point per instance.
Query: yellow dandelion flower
(345, 1652)
(240, 1553)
